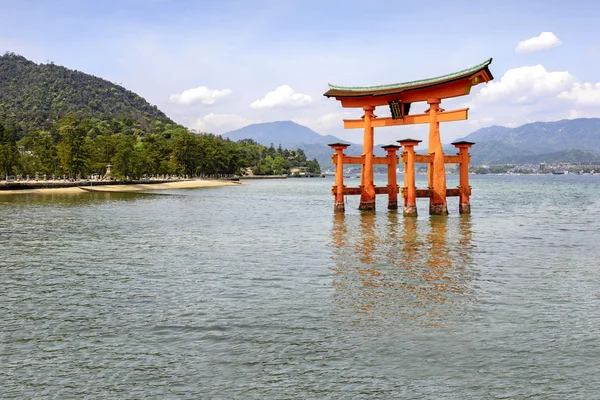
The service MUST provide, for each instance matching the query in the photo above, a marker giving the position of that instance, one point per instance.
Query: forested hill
(36, 96)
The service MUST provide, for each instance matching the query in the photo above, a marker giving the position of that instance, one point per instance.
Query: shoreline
(104, 186)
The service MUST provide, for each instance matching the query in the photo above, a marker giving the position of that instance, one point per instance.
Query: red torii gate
(399, 98)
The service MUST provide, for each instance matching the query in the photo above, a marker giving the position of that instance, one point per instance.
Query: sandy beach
(200, 183)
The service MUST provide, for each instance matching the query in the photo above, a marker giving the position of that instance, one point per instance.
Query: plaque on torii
(399, 97)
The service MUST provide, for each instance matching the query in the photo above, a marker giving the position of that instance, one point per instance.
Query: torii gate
(399, 98)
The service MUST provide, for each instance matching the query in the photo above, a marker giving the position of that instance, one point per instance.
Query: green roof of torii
(342, 91)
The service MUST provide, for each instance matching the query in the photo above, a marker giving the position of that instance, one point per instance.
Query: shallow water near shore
(261, 291)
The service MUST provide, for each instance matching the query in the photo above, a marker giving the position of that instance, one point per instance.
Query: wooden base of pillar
(438, 209)
(410, 211)
(392, 204)
(464, 208)
(339, 207)
(370, 205)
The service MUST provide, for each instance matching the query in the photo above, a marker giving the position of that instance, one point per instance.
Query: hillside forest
(81, 148)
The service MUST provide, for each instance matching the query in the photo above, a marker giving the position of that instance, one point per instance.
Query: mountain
(494, 132)
(35, 96)
(291, 135)
(497, 152)
(288, 134)
(537, 142)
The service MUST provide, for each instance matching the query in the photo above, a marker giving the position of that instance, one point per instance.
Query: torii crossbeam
(399, 98)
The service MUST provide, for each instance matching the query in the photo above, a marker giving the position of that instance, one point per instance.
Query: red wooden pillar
(338, 188)
(464, 207)
(409, 191)
(392, 149)
(367, 195)
(437, 171)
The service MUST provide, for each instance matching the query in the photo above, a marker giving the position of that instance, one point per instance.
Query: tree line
(83, 148)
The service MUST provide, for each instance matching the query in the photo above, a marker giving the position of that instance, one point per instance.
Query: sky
(215, 66)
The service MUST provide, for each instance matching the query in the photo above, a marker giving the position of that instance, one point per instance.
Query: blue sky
(219, 65)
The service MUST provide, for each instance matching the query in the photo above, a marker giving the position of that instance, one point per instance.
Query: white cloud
(586, 94)
(220, 123)
(529, 94)
(483, 121)
(327, 122)
(545, 41)
(525, 85)
(334, 120)
(283, 96)
(573, 114)
(201, 94)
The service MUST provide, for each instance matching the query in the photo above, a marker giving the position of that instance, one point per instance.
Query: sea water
(260, 291)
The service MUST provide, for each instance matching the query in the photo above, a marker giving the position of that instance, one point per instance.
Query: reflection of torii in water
(408, 270)
(399, 98)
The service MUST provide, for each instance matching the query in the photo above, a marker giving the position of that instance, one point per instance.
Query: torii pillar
(464, 206)
(367, 194)
(437, 170)
(338, 189)
(409, 191)
(391, 173)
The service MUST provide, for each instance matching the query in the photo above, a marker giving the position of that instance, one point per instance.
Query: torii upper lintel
(442, 87)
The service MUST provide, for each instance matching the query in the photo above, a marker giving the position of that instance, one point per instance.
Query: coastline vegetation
(82, 148)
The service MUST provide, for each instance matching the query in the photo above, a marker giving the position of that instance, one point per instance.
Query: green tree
(186, 151)
(265, 166)
(158, 155)
(39, 154)
(104, 148)
(280, 165)
(313, 167)
(9, 154)
(74, 147)
(130, 159)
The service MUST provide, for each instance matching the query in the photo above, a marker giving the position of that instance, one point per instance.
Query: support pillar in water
(367, 186)
(464, 206)
(410, 190)
(338, 188)
(437, 170)
(392, 149)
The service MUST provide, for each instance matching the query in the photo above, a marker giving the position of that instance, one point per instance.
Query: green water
(260, 291)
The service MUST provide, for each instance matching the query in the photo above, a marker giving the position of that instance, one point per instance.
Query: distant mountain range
(291, 135)
(574, 140)
(570, 140)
